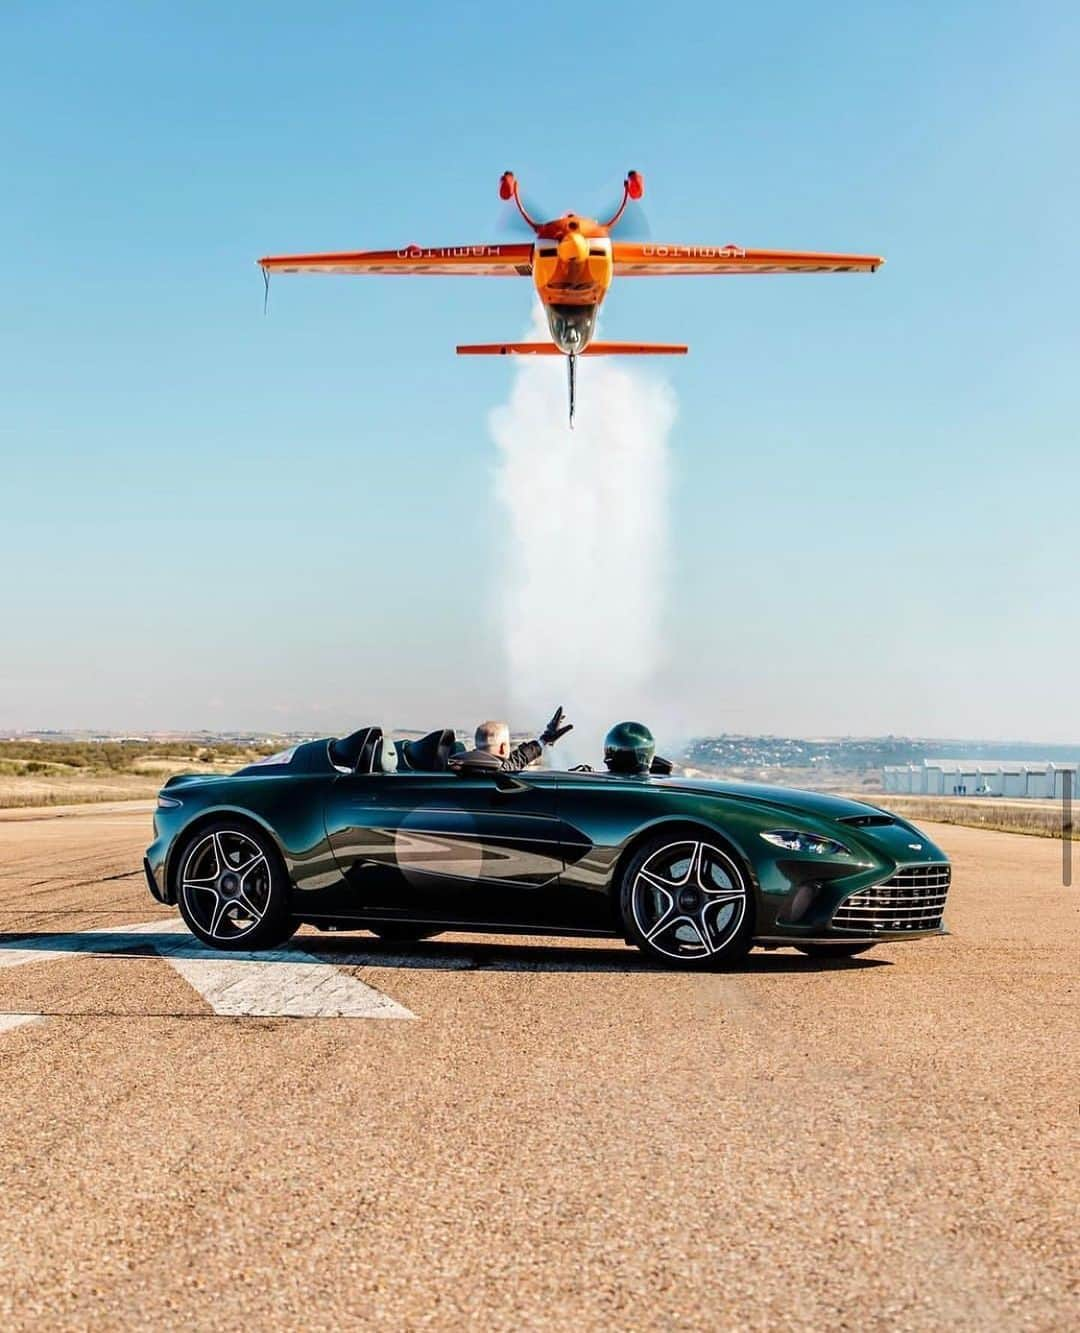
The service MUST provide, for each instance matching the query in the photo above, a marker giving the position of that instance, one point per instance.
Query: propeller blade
(511, 223)
(634, 223)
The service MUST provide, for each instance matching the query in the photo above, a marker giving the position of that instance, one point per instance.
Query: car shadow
(471, 955)
(347, 950)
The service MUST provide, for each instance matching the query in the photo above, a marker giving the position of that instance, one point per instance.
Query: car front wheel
(687, 902)
(233, 890)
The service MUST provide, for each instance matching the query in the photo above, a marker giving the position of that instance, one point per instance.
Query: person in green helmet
(629, 749)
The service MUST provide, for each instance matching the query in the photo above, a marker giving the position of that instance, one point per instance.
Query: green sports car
(367, 833)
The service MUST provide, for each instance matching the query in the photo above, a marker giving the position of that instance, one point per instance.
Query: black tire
(402, 932)
(832, 950)
(708, 902)
(232, 888)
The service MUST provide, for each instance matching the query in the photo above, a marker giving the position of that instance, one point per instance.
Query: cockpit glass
(572, 326)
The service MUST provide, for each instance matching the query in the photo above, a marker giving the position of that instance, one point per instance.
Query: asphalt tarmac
(508, 1133)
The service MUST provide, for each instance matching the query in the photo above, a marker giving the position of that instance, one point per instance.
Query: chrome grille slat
(891, 896)
(914, 899)
(883, 921)
(897, 899)
(870, 906)
(923, 870)
(906, 881)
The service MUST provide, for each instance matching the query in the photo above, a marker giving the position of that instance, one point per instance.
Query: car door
(474, 848)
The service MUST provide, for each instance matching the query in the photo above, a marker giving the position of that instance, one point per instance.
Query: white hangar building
(981, 777)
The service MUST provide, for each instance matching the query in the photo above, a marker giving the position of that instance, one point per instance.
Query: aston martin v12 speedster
(367, 833)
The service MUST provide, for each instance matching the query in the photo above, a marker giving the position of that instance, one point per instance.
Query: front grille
(914, 899)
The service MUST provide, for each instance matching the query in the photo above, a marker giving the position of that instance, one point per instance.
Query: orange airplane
(572, 263)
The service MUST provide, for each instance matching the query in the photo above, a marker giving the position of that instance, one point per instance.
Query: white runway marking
(14, 957)
(9, 1021)
(49, 948)
(275, 984)
(284, 983)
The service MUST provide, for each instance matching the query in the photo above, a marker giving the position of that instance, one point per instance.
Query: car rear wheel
(687, 902)
(832, 950)
(233, 890)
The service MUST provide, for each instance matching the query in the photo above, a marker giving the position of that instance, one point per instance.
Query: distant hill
(727, 752)
(857, 754)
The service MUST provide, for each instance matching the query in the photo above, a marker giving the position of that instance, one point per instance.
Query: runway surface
(552, 1135)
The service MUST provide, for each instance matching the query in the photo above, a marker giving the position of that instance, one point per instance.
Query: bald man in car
(493, 750)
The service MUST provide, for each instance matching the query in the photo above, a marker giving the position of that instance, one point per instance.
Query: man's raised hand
(555, 728)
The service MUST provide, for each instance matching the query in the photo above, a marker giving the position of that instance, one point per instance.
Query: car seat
(429, 754)
(365, 751)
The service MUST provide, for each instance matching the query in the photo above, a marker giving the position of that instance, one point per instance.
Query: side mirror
(660, 768)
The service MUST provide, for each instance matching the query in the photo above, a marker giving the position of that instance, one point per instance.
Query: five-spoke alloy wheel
(687, 901)
(232, 889)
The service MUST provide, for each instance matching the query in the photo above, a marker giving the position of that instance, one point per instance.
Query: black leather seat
(365, 751)
(429, 754)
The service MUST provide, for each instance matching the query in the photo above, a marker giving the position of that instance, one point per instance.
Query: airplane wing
(650, 260)
(473, 261)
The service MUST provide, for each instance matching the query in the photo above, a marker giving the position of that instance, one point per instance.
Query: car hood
(818, 804)
(895, 836)
(197, 780)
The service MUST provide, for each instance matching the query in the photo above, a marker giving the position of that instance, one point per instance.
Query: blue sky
(214, 519)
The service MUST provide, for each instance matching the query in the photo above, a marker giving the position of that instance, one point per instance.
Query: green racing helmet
(629, 748)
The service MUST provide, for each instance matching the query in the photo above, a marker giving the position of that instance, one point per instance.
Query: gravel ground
(566, 1137)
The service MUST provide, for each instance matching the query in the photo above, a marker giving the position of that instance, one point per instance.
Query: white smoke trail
(586, 542)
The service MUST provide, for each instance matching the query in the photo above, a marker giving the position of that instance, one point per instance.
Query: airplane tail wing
(507, 349)
(635, 349)
(593, 349)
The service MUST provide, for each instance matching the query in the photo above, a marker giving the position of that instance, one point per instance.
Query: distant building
(981, 777)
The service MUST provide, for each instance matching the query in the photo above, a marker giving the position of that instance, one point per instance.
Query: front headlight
(793, 841)
(168, 803)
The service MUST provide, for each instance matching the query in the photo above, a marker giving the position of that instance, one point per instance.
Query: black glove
(555, 728)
